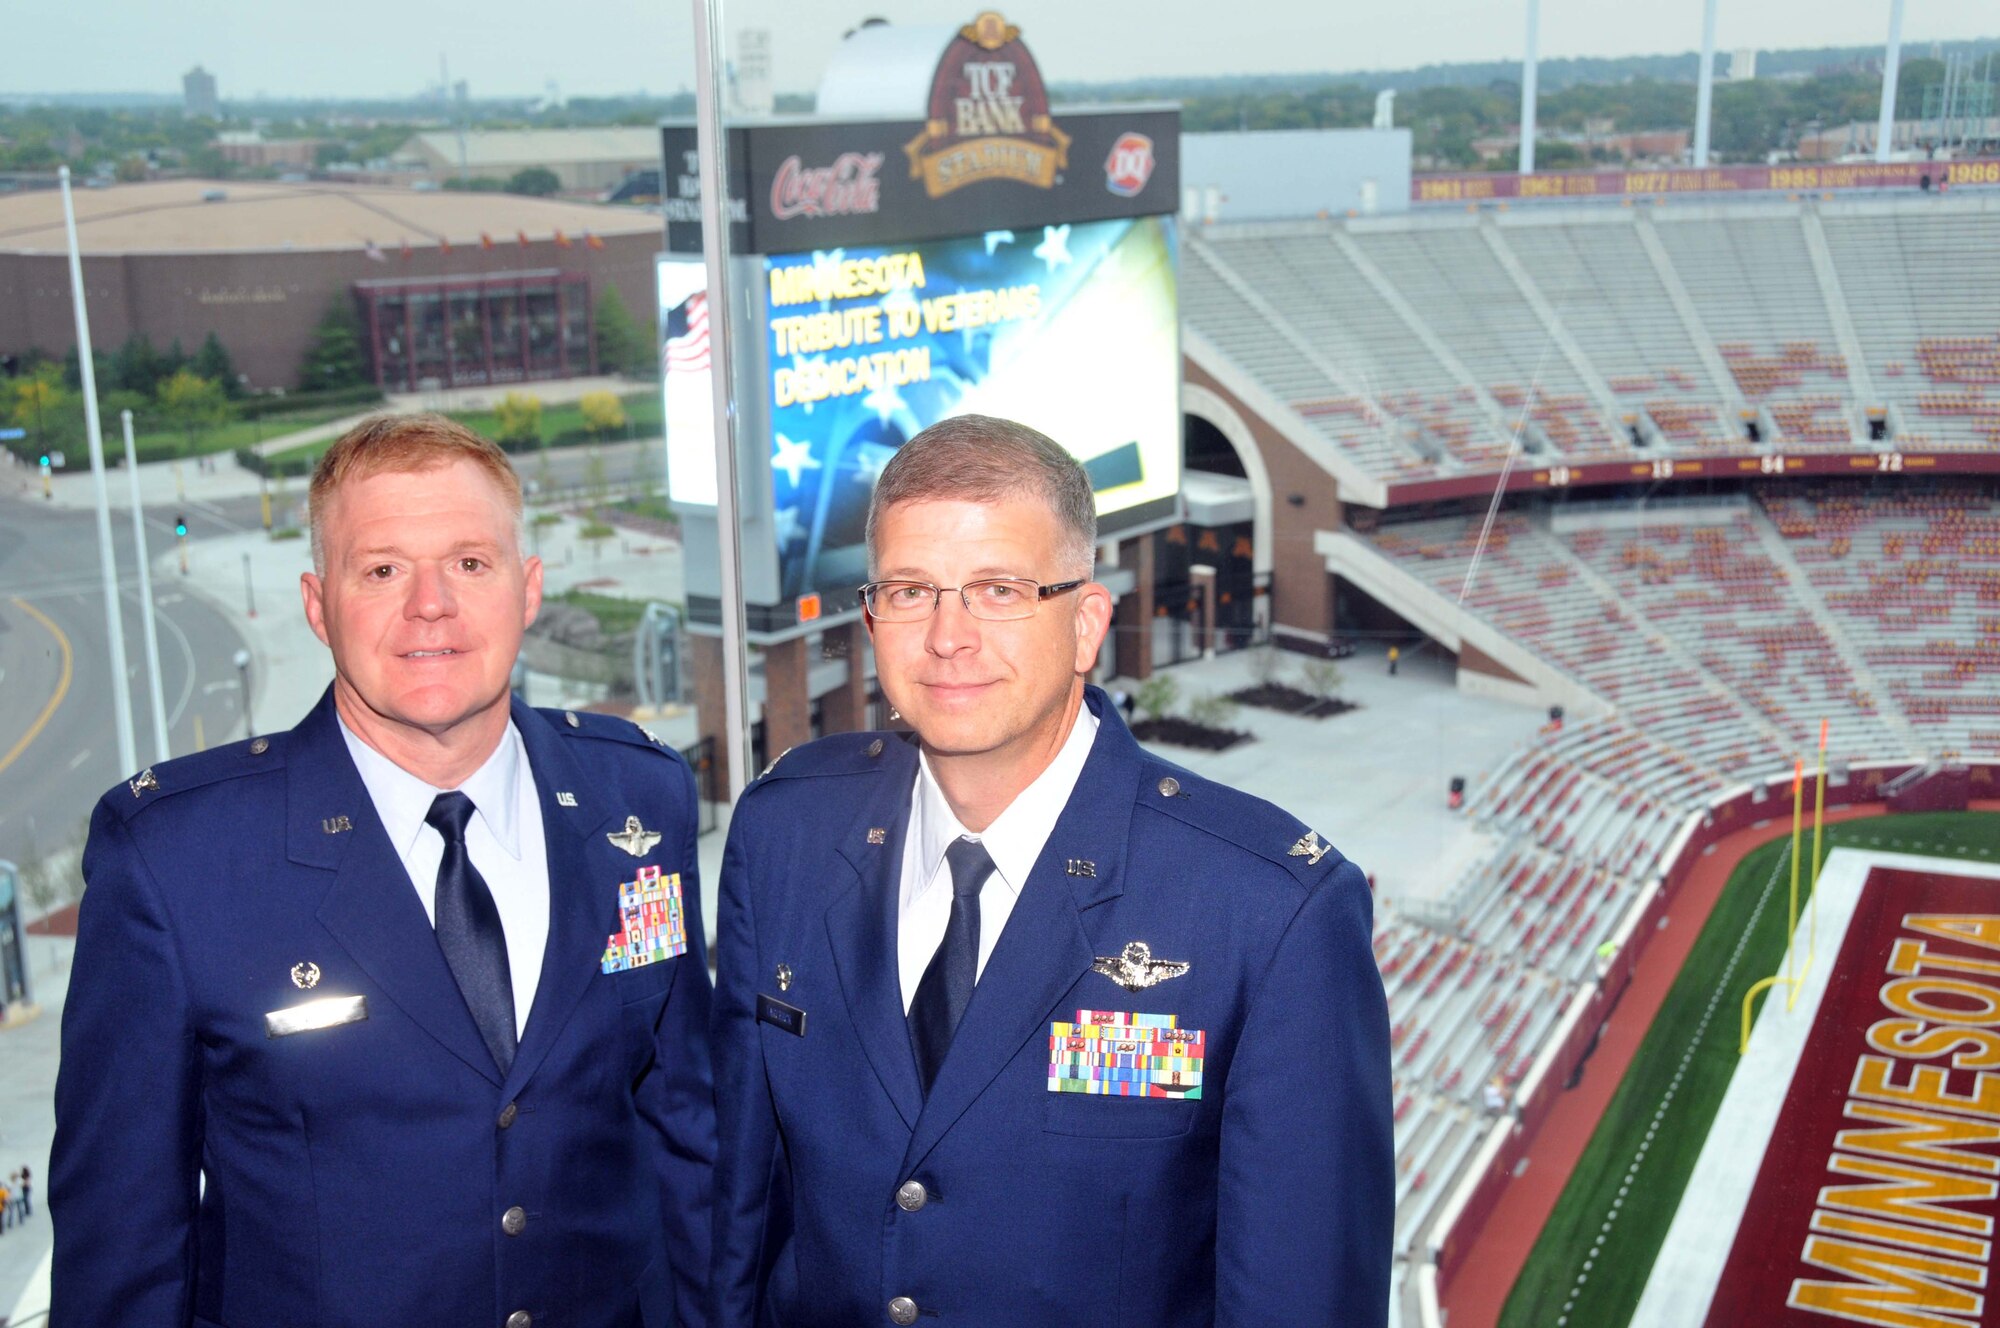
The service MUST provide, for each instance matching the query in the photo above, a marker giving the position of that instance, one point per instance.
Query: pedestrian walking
(26, 1198)
(1395, 653)
(6, 1203)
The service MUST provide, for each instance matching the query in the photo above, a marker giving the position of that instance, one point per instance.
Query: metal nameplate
(307, 1016)
(772, 1011)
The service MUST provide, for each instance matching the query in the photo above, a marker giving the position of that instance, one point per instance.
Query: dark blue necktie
(946, 988)
(469, 931)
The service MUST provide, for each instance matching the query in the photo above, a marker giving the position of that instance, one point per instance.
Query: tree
(518, 418)
(538, 181)
(137, 366)
(623, 347)
(50, 412)
(334, 359)
(193, 405)
(603, 412)
(213, 363)
(131, 169)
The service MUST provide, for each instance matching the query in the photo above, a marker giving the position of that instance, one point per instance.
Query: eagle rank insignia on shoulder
(1135, 969)
(1309, 848)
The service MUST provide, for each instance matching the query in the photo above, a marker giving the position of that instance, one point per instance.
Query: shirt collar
(402, 800)
(1017, 836)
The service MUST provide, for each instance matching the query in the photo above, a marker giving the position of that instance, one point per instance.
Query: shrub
(519, 419)
(1156, 695)
(1212, 711)
(1322, 677)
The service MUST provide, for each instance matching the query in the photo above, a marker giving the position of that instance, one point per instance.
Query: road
(58, 735)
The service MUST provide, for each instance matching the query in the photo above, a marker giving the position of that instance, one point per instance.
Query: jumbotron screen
(1071, 329)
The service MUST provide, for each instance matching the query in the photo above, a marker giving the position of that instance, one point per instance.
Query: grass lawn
(160, 444)
(613, 614)
(645, 415)
(1592, 1261)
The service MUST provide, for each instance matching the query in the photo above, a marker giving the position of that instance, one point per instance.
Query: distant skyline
(390, 48)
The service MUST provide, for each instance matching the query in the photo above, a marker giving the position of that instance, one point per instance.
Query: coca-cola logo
(842, 189)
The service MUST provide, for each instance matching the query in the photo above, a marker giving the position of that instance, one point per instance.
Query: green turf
(1572, 1279)
(563, 425)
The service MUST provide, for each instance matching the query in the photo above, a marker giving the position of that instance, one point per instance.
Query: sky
(388, 48)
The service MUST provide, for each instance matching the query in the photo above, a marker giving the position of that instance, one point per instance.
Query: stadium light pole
(710, 144)
(1704, 99)
(1892, 61)
(1528, 96)
(114, 619)
(162, 743)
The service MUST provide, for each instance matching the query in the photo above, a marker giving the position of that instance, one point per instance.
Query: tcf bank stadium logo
(989, 115)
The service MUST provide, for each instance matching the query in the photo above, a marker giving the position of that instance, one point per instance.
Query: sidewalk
(28, 1119)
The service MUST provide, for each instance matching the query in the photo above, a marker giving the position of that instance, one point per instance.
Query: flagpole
(114, 618)
(162, 741)
(711, 144)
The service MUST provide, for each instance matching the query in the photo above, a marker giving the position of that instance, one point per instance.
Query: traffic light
(45, 461)
(181, 526)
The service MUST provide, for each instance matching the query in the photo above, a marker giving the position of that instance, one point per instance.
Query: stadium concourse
(1468, 376)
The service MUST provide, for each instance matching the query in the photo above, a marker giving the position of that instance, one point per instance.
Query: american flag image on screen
(687, 335)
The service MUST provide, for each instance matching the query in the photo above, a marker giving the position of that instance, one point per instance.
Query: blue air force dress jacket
(1213, 1149)
(380, 1171)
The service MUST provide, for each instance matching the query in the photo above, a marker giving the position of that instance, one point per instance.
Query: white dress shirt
(503, 838)
(1014, 841)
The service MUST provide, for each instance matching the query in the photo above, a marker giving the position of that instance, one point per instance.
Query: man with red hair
(399, 1017)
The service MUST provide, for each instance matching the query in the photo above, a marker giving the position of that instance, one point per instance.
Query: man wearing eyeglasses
(1019, 1024)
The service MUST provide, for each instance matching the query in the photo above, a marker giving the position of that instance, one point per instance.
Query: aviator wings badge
(1136, 969)
(635, 839)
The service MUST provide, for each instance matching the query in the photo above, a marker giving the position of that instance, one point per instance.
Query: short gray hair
(983, 459)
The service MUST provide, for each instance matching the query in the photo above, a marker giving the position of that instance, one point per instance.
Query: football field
(1594, 1257)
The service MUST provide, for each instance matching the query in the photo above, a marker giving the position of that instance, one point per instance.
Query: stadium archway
(1213, 429)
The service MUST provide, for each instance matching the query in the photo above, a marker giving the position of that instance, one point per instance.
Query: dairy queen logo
(1129, 166)
(989, 115)
(846, 187)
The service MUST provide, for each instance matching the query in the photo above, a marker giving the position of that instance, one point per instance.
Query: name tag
(790, 1018)
(307, 1016)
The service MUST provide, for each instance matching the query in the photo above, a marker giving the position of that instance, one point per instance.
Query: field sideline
(1591, 1262)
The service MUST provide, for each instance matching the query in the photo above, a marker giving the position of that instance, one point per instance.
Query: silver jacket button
(1169, 787)
(902, 1310)
(912, 1196)
(520, 1319)
(514, 1221)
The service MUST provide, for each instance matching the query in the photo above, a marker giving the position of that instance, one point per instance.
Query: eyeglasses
(996, 599)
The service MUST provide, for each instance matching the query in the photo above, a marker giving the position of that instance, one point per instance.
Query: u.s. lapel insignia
(143, 782)
(1309, 848)
(1135, 969)
(877, 835)
(305, 975)
(1082, 867)
(334, 825)
(635, 839)
(565, 799)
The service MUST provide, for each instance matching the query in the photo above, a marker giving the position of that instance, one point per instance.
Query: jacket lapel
(371, 908)
(1044, 950)
(861, 928)
(582, 888)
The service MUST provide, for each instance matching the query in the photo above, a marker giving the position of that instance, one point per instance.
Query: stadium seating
(1414, 344)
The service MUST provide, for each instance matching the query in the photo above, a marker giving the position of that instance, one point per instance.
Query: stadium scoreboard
(996, 256)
